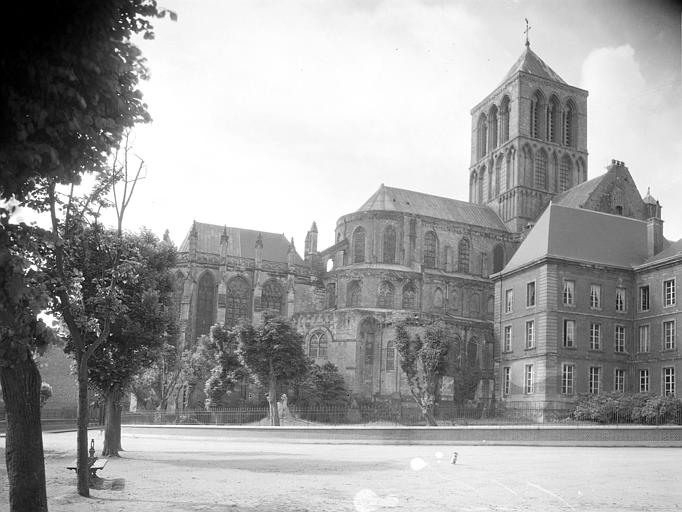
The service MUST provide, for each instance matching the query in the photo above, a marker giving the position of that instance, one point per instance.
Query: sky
(272, 114)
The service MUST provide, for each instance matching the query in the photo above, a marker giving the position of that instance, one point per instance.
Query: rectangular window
(620, 299)
(643, 338)
(567, 378)
(530, 294)
(569, 333)
(529, 382)
(619, 340)
(530, 334)
(669, 381)
(507, 338)
(644, 381)
(669, 335)
(569, 293)
(595, 379)
(595, 336)
(669, 292)
(509, 301)
(619, 380)
(644, 298)
(506, 381)
(595, 296)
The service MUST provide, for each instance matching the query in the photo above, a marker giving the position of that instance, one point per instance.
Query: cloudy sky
(270, 114)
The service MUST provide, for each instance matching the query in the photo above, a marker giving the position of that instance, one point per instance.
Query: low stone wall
(541, 435)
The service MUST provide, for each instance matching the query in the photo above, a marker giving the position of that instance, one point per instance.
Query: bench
(94, 467)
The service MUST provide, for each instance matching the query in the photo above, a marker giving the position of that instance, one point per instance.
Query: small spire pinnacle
(528, 27)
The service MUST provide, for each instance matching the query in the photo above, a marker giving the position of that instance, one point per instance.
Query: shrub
(628, 408)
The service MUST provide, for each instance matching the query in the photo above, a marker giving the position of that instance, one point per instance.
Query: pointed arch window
(463, 255)
(493, 125)
(205, 303)
(438, 299)
(540, 180)
(359, 245)
(237, 301)
(482, 135)
(536, 106)
(368, 334)
(430, 249)
(390, 356)
(318, 345)
(385, 295)
(565, 173)
(504, 120)
(508, 182)
(354, 294)
(498, 172)
(271, 298)
(569, 124)
(553, 122)
(409, 296)
(389, 244)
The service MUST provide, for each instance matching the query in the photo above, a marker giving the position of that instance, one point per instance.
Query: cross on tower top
(528, 27)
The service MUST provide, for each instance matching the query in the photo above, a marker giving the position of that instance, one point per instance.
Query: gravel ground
(164, 473)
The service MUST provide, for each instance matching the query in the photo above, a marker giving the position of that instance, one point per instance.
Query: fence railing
(60, 418)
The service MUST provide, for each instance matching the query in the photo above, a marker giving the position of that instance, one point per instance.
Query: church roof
(241, 242)
(530, 63)
(577, 196)
(409, 201)
(583, 235)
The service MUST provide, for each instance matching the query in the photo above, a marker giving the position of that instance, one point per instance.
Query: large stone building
(406, 255)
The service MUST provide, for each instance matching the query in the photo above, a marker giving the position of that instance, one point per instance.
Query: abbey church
(553, 284)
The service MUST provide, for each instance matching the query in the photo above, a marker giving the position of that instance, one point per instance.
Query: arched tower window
(318, 345)
(498, 258)
(537, 104)
(354, 293)
(271, 298)
(237, 299)
(504, 120)
(553, 121)
(498, 172)
(509, 181)
(569, 124)
(205, 303)
(390, 356)
(493, 124)
(430, 249)
(367, 337)
(463, 250)
(527, 164)
(438, 299)
(540, 176)
(385, 295)
(359, 245)
(389, 244)
(482, 135)
(409, 296)
(565, 173)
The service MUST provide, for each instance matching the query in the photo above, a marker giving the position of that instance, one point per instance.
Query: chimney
(654, 224)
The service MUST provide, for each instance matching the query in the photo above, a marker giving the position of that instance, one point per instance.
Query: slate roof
(577, 196)
(585, 236)
(672, 249)
(409, 201)
(530, 63)
(241, 243)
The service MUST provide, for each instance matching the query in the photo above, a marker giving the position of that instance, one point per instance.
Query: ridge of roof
(530, 62)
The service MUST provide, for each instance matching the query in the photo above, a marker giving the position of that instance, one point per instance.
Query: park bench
(93, 467)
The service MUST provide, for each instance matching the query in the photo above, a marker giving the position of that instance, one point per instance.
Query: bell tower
(528, 142)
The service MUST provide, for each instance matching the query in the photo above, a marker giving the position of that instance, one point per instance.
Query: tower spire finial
(528, 27)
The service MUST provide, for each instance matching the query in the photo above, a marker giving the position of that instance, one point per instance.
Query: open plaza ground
(160, 472)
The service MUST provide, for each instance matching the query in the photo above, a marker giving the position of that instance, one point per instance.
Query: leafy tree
(68, 92)
(273, 353)
(323, 386)
(159, 384)
(228, 369)
(136, 335)
(423, 360)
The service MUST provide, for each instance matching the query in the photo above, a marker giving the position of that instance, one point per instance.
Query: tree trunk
(24, 439)
(272, 400)
(112, 424)
(82, 435)
(427, 412)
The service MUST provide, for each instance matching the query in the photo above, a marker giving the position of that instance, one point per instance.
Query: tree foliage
(228, 369)
(323, 386)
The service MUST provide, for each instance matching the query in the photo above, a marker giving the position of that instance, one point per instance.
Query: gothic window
(463, 255)
(536, 106)
(498, 258)
(359, 245)
(540, 180)
(390, 356)
(271, 298)
(527, 165)
(438, 299)
(553, 125)
(565, 173)
(368, 334)
(482, 135)
(331, 295)
(318, 345)
(205, 303)
(493, 127)
(385, 295)
(409, 296)
(237, 301)
(430, 249)
(569, 124)
(389, 244)
(498, 171)
(354, 293)
(504, 120)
